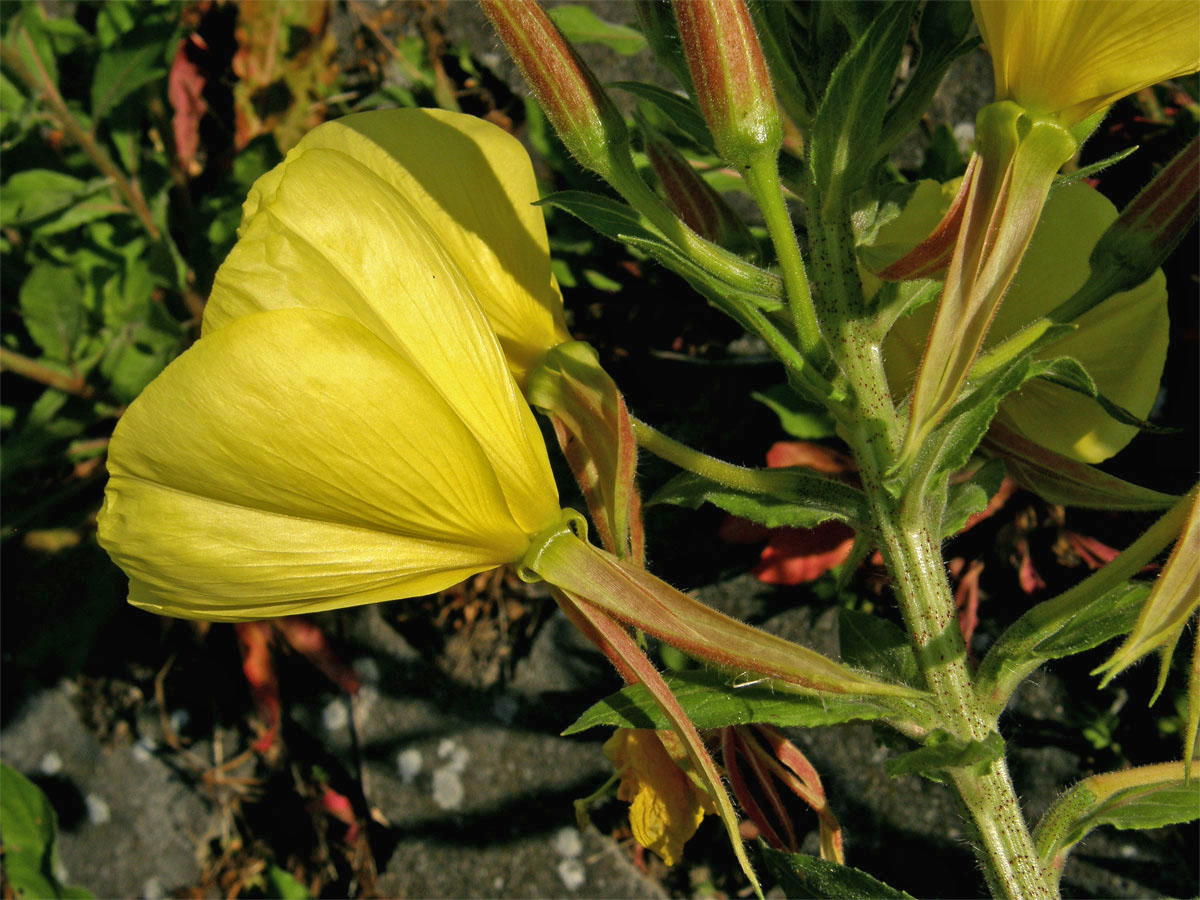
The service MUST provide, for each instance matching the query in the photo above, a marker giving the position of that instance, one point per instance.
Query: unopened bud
(733, 86)
(1148, 228)
(693, 199)
(584, 116)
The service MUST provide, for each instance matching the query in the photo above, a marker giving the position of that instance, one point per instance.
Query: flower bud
(1148, 229)
(732, 84)
(582, 113)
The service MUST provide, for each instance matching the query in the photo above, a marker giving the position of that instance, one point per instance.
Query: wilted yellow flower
(1071, 58)
(347, 429)
(665, 806)
(1053, 268)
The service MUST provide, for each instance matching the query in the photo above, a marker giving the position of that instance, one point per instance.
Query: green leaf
(803, 876)
(941, 39)
(1060, 479)
(851, 114)
(52, 307)
(38, 194)
(138, 352)
(282, 884)
(1112, 615)
(941, 752)
(679, 110)
(713, 700)
(797, 416)
(27, 33)
(30, 829)
(582, 26)
(790, 497)
(612, 218)
(876, 645)
(137, 60)
(971, 496)
(1069, 373)
(719, 293)
(1131, 799)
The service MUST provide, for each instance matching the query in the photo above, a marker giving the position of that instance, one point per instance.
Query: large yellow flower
(388, 216)
(1070, 58)
(347, 429)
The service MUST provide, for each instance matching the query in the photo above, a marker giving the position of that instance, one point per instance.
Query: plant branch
(35, 371)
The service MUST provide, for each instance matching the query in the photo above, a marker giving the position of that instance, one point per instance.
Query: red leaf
(1027, 575)
(966, 601)
(800, 555)
(1094, 553)
(255, 639)
(185, 90)
(339, 807)
(815, 456)
(308, 640)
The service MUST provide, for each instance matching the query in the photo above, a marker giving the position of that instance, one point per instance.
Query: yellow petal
(1072, 58)
(665, 807)
(327, 231)
(1055, 265)
(291, 462)
(472, 185)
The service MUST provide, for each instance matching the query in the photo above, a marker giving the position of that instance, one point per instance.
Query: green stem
(763, 179)
(754, 481)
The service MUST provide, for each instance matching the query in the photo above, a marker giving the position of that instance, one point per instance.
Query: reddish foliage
(799, 555)
(339, 807)
(307, 639)
(259, 669)
(185, 89)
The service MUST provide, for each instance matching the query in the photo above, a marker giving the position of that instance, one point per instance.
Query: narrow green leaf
(792, 497)
(876, 645)
(612, 218)
(1110, 617)
(1060, 479)
(851, 115)
(713, 700)
(803, 876)
(582, 26)
(942, 752)
(797, 416)
(679, 110)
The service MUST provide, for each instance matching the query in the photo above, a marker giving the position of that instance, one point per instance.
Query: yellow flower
(1053, 268)
(1070, 58)
(347, 430)
(665, 806)
(386, 217)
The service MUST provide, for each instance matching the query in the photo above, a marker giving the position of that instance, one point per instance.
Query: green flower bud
(582, 113)
(732, 84)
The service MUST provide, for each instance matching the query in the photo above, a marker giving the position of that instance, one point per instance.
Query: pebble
(567, 842)
(143, 750)
(367, 670)
(448, 791)
(153, 889)
(408, 764)
(572, 873)
(334, 716)
(51, 763)
(97, 809)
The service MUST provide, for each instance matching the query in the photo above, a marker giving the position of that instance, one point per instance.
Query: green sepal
(791, 497)
(942, 751)
(715, 700)
(809, 876)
